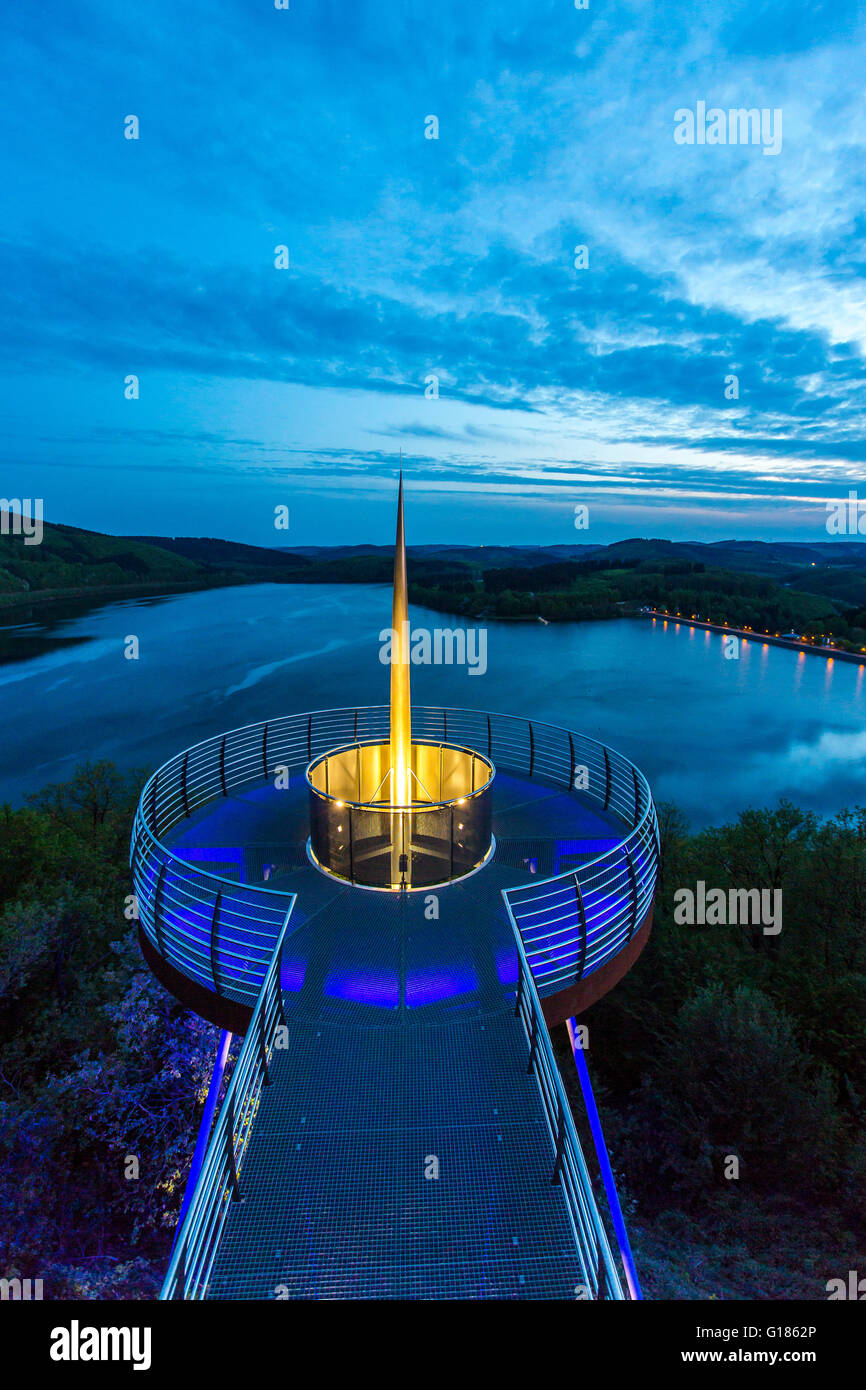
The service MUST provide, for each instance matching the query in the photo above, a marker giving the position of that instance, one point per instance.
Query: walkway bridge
(395, 1125)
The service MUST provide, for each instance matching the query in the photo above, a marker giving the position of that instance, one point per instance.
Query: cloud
(456, 256)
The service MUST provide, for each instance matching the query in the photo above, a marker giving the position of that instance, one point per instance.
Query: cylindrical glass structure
(443, 834)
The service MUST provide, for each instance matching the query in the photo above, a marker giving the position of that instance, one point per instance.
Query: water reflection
(712, 734)
(799, 669)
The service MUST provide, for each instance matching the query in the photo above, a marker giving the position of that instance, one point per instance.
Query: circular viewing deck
(219, 858)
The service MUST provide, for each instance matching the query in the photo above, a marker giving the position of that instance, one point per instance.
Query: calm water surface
(711, 734)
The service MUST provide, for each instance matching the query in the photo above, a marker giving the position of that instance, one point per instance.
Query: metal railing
(574, 923)
(229, 936)
(219, 1181)
(569, 1165)
(221, 933)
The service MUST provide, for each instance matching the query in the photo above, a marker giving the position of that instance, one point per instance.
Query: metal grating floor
(337, 1204)
(403, 1048)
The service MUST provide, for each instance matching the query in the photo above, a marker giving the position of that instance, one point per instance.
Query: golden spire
(401, 713)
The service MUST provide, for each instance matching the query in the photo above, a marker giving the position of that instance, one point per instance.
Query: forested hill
(815, 589)
(822, 601)
(68, 559)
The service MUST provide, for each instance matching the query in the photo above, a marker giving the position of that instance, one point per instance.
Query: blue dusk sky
(412, 257)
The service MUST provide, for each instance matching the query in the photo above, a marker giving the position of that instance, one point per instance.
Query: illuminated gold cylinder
(354, 828)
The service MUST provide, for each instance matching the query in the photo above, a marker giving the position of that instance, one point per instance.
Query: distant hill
(757, 557)
(70, 560)
(357, 564)
(826, 580)
(773, 558)
(478, 557)
(835, 570)
(213, 553)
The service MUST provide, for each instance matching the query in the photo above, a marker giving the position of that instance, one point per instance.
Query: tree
(735, 1079)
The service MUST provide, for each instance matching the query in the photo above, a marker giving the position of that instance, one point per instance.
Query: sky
(605, 386)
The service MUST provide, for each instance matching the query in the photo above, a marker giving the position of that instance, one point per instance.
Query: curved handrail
(573, 923)
(221, 933)
(176, 762)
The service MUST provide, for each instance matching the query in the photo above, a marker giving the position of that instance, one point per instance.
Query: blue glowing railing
(221, 933)
(573, 924)
(219, 1181)
(216, 932)
(600, 1276)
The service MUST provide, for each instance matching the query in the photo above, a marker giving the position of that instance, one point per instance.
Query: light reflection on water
(712, 734)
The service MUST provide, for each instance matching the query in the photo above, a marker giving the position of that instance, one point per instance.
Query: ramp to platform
(374, 1096)
(338, 1199)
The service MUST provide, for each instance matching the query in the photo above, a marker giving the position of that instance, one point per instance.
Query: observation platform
(395, 1126)
(452, 962)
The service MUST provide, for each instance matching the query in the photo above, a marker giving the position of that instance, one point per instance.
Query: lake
(712, 734)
